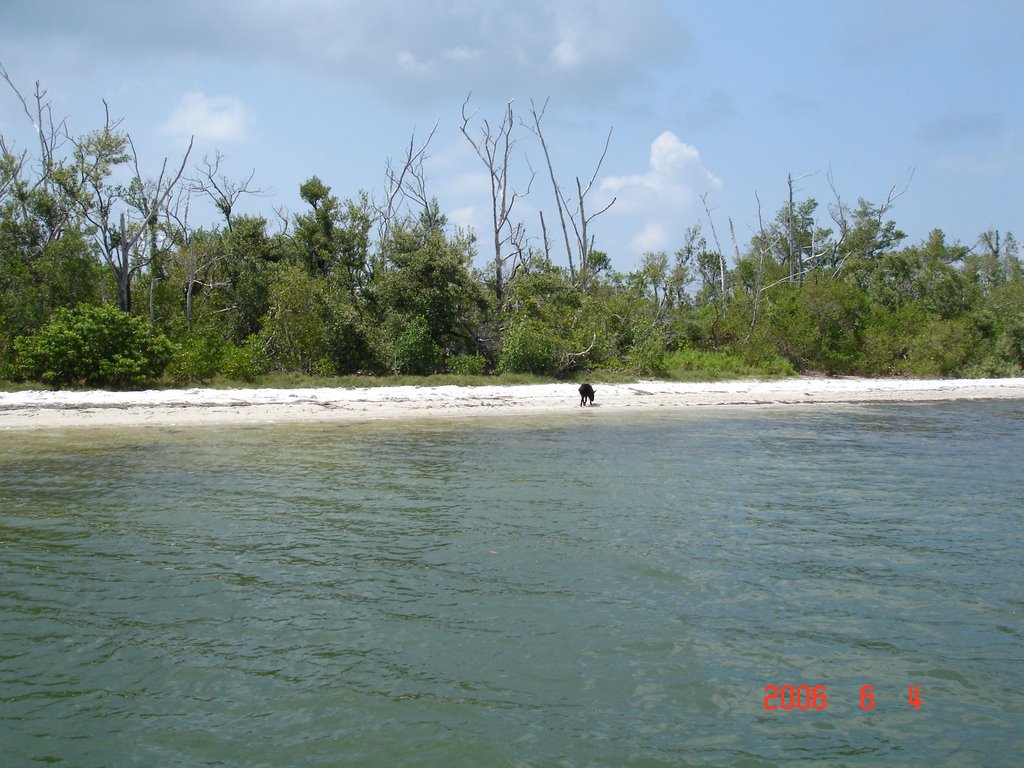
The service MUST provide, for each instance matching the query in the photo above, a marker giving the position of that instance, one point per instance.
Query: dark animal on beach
(586, 393)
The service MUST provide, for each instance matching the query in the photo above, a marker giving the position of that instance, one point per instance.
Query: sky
(710, 105)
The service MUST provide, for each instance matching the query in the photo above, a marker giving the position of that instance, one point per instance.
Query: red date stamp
(805, 697)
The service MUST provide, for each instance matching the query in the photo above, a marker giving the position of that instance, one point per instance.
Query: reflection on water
(589, 590)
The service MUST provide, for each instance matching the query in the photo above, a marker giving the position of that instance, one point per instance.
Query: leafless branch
(494, 145)
(579, 221)
(51, 136)
(407, 181)
(222, 191)
(573, 355)
(559, 198)
(718, 244)
(896, 192)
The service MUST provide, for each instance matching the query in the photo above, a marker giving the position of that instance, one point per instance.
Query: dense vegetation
(104, 281)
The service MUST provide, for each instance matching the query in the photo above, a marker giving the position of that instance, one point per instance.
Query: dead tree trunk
(494, 148)
(408, 181)
(118, 242)
(580, 221)
(718, 247)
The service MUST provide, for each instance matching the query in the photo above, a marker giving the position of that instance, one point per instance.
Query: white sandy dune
(34, 409)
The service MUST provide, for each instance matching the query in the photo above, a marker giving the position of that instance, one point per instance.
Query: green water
(588, 590)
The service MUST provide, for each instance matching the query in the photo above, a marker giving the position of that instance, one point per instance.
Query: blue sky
(716, 99)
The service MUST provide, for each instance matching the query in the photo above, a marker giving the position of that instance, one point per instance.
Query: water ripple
(613, 591)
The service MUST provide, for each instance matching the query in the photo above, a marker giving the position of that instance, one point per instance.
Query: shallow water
(584, 590)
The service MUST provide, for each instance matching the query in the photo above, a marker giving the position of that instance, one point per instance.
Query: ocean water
(582, 590)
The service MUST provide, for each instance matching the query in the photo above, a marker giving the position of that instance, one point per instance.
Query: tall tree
(573, 214)
(223, 191)
(45, 260)
(427, 300)
(405, 183)
(494, 145)
(334, 238)
(121, 216)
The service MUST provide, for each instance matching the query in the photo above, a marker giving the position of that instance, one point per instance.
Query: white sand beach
(214, 407)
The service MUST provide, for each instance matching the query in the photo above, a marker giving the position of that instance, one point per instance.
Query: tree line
(106, 280)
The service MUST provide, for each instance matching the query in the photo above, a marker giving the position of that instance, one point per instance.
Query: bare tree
(837, 211)
(493, 145)
(120, 235)
(52, 138)
(796, 261)
(718, 246)
(195, 248)
(765, 244)
(222, 191)
(284, 219)
(405, 182)
(732, 236)
(573, 214)
(884, 233)
(554, 183)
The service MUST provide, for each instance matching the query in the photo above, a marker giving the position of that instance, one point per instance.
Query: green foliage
(889, 339)
(699, 364)
(1009, 344)
(426, 280)
(647, 353)
(294, 330)
(991, 368)
(322, 298)
(93, 345)
(818, 326)
(923, 274)
(553, 328)
(942, 347)
(467, 365)
(416, 352)
(333, 238)
(350, 338)
(243, 363)
(204, 355)
(530, 346)
(38, 277)
(198, 358)
(244, 275)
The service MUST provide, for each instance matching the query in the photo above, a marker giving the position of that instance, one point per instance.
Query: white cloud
(583, 51)
(566, 53)
(660, 196)
(214, 118)
(461, 53)
(466, 217)
(407, 62)
(652, 237)
(676, 176)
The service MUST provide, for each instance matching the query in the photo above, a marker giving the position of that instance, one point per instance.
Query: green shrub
(416, 352)
(244, 363)
(699, 363)
(198, 358)
(467, 365)
(819, 326)
(942, 348)
(529, 347)
(889, 337)
(647, 355)
(1010, 344)
(93, 345)
(992, 368)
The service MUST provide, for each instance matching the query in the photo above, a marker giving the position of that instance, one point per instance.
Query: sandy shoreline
(48, 410)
